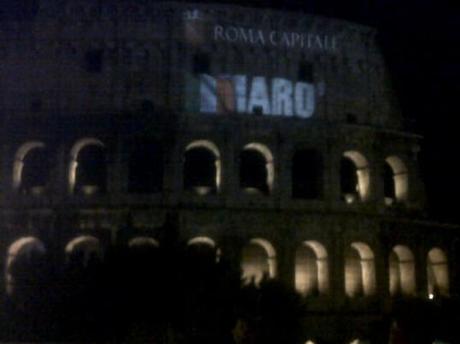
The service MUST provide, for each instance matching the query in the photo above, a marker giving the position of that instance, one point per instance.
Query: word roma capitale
(238, 34)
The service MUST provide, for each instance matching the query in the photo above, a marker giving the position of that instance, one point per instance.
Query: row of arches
(259, 261)
(202, 170)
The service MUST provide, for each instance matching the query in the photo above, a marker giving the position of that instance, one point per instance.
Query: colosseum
(273, 137)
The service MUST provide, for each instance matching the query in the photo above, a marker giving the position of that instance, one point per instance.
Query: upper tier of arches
(255, 168)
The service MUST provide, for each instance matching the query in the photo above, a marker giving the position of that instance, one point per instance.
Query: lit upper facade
(321, 83)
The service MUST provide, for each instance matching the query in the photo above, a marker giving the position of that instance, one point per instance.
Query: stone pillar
(284, 162)
(229, 179)
(331, 174)
(337, 267)
(288, 247)
(60, 182)
(5, 175)
(173, 166)
(376, 179)
(116, 169)
(232, 247)
(232, 171)
(381, 261)
(453, 263)
(421, 272)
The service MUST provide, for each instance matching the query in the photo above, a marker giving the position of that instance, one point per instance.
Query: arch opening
(31, 168)
(402, 271)
(144, 260)
(359, 270)
(88, 167)
(396, 180)
(23, 263)
(83, 251)
(202, 167)
(256, 169)
(258, 261)
(306, 174)
(140, 242)
(202, 253)
(354, 177)
(311, 269)
(437, 273)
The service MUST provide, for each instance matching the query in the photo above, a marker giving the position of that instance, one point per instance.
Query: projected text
(242, 94)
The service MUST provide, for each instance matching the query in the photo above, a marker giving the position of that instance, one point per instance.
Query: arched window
(306, 174)
(31, 168)
(402, 271)
(258, 261)
(144, 258)
(437, 273)
(202, 253)
(354, 177)
(396, 181)
(256, 169)
(83, 251)
(140, 242)
(145, 167)
(88, 167)
(359, 270)
(311, 269)
(21, 262)
(202, 167)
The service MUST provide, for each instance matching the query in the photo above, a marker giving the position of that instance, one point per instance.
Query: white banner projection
(300, 40)
(248, 94)
(242, 94)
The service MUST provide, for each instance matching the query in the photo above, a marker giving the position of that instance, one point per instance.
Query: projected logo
(241, 94)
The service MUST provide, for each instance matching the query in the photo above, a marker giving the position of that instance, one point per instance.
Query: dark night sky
(421, 43)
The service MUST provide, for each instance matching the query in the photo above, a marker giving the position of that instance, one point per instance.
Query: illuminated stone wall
(116, 57)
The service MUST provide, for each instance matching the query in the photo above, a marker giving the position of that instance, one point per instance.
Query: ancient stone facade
(272, 136)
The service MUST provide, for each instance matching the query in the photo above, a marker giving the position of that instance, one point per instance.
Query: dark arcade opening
(253, 172)
(144, 268)
(348, 177)
(27, 273)
(389, 187)
(91, 173)
(200, 170)
(201, 257)
(394, 274)
(35, 171)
